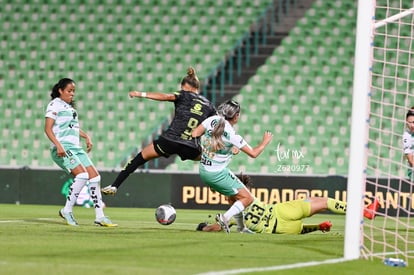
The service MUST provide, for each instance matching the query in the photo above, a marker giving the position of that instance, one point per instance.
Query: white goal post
(359, 120)
(401, 17)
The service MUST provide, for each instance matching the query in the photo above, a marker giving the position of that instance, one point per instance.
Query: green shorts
(224, 181)
(290, 214)
(75, 156)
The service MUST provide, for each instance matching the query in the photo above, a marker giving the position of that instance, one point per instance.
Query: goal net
(391, 234)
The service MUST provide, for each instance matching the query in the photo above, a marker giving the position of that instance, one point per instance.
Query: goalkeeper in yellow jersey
(286, 217)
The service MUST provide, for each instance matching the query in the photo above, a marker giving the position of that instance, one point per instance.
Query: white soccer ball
(165, 214)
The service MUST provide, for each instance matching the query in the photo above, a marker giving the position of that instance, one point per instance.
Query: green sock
(336, 206)
(308, 228)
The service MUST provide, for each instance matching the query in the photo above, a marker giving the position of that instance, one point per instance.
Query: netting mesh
(391, 234)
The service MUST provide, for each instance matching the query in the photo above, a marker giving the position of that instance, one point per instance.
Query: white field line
(24, 221)
(273, 268)
(31, 220)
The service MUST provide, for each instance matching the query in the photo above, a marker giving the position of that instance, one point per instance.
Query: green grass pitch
(34, 240)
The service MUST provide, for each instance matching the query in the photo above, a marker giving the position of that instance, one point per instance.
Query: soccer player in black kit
(190, 110)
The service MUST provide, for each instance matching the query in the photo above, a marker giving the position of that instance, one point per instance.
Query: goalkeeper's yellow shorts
(290, 214)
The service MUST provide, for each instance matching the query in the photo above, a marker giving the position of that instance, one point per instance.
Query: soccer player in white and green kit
(408, 142)
(218, 142)
(62, 128)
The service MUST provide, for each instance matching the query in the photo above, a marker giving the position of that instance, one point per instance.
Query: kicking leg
(148, 153)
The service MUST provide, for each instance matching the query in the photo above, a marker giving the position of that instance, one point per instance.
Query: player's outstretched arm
(215, 227)
(256, 151)
(152, 95)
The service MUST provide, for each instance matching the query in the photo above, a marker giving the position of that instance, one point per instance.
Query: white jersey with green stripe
(408, 142)
(217, 161)
(66, 126)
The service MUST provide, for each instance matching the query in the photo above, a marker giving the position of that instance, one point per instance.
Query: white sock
(96, 196)
(239, 221)
(78, 183)
(236, 208)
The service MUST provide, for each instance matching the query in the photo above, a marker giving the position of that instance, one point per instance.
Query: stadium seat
(115, 47)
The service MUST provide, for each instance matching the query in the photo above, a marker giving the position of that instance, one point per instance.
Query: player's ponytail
(55, 91)
(229, 109)
(217, 142)
(191, 78)
(191, 72)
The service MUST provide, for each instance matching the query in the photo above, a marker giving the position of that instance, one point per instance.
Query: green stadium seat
(136, 55)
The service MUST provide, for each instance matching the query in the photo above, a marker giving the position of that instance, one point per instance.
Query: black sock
(128, 169)
(308, 228)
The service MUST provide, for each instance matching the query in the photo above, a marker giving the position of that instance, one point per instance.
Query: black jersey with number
(190, 110)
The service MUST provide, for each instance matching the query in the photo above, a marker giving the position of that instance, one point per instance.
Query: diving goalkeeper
(286, 217)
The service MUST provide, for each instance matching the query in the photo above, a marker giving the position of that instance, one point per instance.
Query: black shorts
(166, 148)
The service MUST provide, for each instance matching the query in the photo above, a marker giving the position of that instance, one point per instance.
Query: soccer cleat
(68, 217)
(106, 222)
(223, 223)
(371, 209)
(109, 190)
(325, 226)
